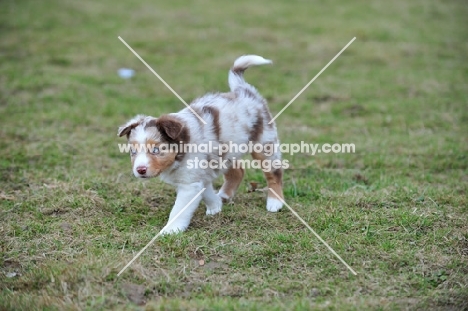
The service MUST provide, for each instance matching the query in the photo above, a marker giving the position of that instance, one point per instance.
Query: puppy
(239, 117)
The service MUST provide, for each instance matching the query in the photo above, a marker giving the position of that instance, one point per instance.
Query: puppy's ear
(172, 129)
(129, 126)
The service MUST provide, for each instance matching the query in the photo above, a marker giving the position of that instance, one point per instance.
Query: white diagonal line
(162, 80)
(157, 235)
(312, 230)
(311, 81)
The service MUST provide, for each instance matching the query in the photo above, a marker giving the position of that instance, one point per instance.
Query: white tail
(236, 74)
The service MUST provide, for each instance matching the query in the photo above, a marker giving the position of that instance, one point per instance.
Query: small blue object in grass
(126, 73)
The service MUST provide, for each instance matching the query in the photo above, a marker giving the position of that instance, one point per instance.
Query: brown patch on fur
(159, 163)
(274, 178)
(164, 159)
(215, 114)
(126, 129)
(275, 184)
(151, 123)
(232, 179)
(238, 70)
(172, 129)
(278, 174)
(257, 128)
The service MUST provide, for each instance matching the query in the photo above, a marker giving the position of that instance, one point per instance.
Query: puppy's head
(149, 141)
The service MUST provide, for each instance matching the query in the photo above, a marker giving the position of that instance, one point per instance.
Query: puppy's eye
(155, 150)
(133, 152)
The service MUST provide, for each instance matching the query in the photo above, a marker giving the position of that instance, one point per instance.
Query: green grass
(396, 210)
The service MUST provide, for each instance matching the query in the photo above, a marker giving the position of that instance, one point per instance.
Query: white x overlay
(312, 230)
(157, 235)
(279, 113)
(311, 81)
(162, 80)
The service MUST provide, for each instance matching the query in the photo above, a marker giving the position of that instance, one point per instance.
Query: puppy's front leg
(185, 194)
(212, 200)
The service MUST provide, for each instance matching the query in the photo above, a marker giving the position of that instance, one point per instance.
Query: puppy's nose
(141, 170)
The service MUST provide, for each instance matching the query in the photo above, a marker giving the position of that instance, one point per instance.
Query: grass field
(72, 214)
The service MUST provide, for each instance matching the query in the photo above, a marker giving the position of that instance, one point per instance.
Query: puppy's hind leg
(232, 180)
(212, 201)
(274, 179)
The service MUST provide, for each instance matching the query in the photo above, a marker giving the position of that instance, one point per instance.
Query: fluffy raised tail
(236, 74)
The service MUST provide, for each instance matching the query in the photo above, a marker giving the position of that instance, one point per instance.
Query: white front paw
(214, 207)
(173, 229)
(274, 205)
